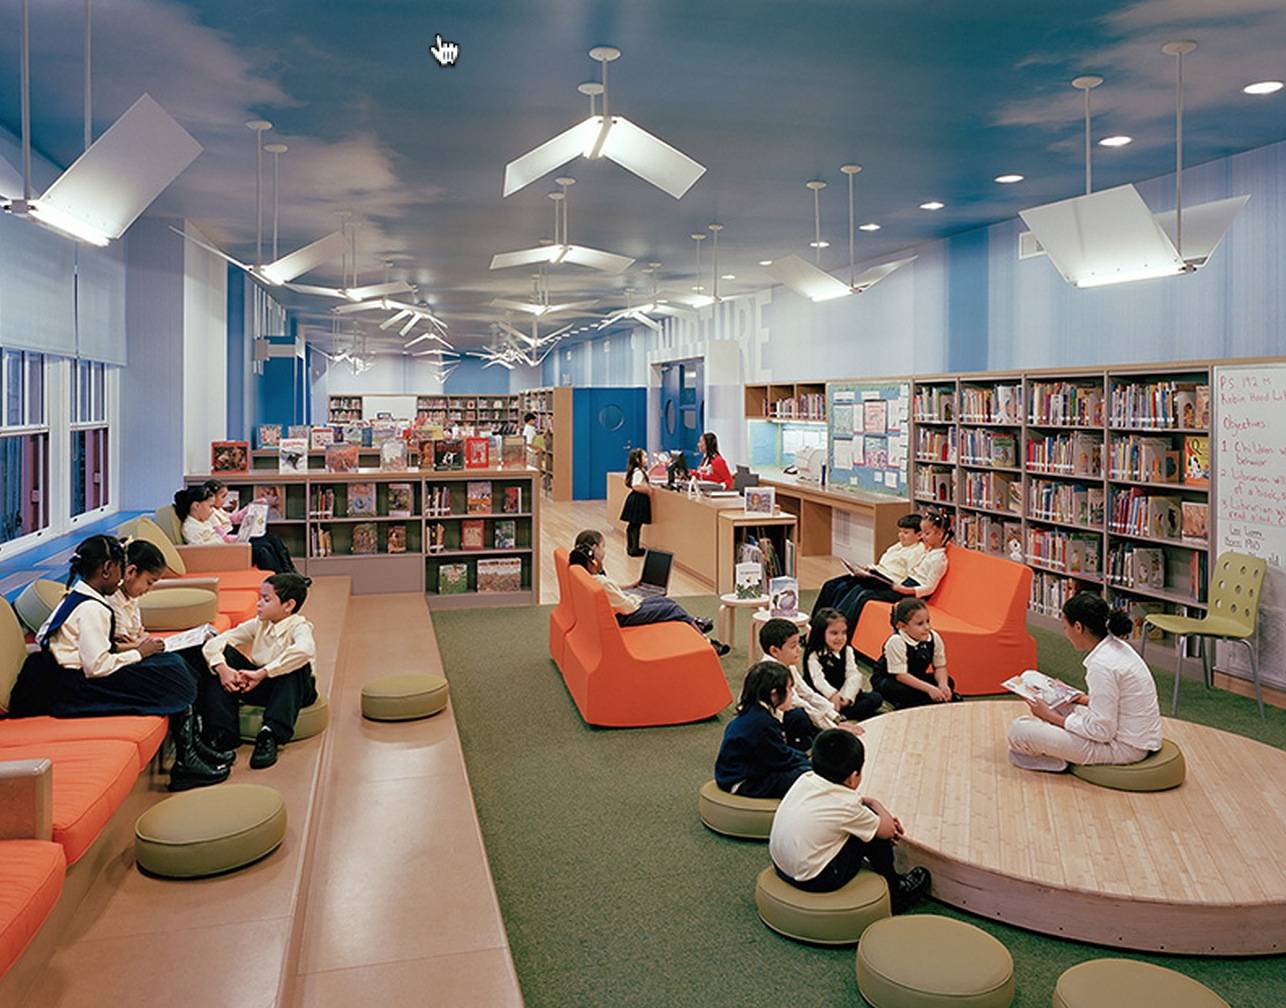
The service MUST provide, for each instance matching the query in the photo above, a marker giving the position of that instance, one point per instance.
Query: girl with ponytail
(1117, 720)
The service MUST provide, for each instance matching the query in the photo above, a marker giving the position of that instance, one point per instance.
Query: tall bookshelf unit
(434, 533)
(553, 409)
(797, 402)
(1084, 475)
(479, 410)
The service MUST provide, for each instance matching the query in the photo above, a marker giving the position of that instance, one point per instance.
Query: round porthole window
(611, 417)
(670, 417)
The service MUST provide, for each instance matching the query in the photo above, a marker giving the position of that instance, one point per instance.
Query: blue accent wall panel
(607, 423)
(471, 378)
(236, 354)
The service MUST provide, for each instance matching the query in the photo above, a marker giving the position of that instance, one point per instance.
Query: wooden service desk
(702, 544)
(814, 506)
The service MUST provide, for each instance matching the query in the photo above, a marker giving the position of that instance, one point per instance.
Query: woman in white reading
(1118, 719)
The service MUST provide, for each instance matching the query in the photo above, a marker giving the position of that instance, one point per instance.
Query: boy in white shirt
(812, 712)
(266, 661)
(895, 564)
(823, 830)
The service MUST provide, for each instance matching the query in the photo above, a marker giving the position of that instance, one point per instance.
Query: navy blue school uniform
(902, 655)
(755, 760)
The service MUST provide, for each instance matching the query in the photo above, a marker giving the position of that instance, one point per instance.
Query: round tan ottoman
(1124, 983)
(734, 816)
(37, 602)
(1158, 771)
(178, 608)
(209, 830)
(833, 918)
(927, 961)
(404, 696)
(312, 720)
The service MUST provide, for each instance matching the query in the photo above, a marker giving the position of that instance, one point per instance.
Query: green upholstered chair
(143, 527)
(13, 652)
(928, 961)
(1127, 983)
(209, 831)
(1232, 610)
(37, 601)
(831, 918)
(167, 520)
(735, 816)
(1158, 771)
(178, 608)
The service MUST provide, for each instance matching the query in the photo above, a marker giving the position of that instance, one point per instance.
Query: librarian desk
(702, 533)
(815, 507)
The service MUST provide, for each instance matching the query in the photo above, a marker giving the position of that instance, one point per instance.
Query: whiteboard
(401, 406)
(1249, 461)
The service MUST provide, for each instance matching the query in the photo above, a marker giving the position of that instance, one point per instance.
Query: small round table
(726, 621)
(762, 616)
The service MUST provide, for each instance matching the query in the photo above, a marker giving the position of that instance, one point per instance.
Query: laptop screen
(656, 568)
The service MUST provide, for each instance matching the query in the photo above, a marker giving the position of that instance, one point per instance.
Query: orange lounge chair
(664, 673)
(31, 880)
(563, 616)
(980, 610)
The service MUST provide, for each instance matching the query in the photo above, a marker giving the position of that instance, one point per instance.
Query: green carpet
(613, 893)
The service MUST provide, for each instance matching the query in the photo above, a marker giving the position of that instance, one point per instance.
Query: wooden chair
(1233, 609)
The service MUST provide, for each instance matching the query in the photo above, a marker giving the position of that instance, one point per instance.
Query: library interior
(880, 603)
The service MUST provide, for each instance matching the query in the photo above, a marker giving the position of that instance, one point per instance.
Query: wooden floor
(560, 521)
(1198, 870)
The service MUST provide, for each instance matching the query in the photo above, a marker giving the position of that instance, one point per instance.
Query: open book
(872, 572)
(1033, 685)
(189, 638)
(254, 522)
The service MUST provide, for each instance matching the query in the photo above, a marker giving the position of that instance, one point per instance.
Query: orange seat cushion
(31, 879)
(563, 616)
(145, 733)
(91, 779)
(236, 580)
(238, 605)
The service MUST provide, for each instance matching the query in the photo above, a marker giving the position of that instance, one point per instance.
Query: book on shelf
(513, 452)
(505, 534)
(1196, 520)
(274, 497)
(292, 455)
(1160, 404)
(393, 455)
(254, 522)
(453, 578)
(366, 538)
(1034, 685)
(1059, 404)
(942, 486)
(477, 497)
(269, 435)
(477, 453)
(321, 438)
(396, 539)
(448, 455)
(229, 456)
(322, 503)
(436, 538)
(400, 500)
(342, 458)
(783, 596)
(1139, 612)
(1196, 460)
(512, 502)
(1076, 454)
(1137, 512)
(1203, 407)
(500, 574)
(748, 580)
(319, 542)
(352, 432)
(299, 431)
(471, 534)
(384, 430)
(1148, 567)
(361, 500)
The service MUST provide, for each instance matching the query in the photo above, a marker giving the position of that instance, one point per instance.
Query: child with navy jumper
(755, 760)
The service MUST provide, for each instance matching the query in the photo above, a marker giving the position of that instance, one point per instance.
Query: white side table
(727, 618)
(762, 616)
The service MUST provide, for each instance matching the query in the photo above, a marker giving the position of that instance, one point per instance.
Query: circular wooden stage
(1198, 870)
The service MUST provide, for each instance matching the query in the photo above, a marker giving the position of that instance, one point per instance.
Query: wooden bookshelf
(800, 402)
(1071, 472)
(495, 411)
(438, 500)
(553, 408)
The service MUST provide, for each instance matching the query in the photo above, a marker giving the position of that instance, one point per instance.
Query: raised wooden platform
(1198, 870)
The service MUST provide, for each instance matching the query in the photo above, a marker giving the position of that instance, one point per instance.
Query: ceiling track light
(1263, 87)
(932, 205)
(1116, 141)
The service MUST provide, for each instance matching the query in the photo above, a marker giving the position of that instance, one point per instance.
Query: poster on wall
(866, 446)
(876, 452)
(841, 414)
(875, 414)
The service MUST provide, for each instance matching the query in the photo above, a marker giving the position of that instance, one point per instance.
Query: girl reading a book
(912, 671)
(81, 671)
(205, 523)
(755, 759)
(637, 511)
(631, 609)
(1117, 720)
(922, 579)
(894, 566)
(830, 667)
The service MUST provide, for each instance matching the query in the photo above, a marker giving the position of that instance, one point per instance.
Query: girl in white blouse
(1117, 720)
(830, 667)
(637, 510)
(921, 582)
(205, 523)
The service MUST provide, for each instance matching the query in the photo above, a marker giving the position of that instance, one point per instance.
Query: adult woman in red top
(713, 468)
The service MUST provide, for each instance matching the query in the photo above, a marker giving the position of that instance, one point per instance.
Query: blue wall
(471, 378)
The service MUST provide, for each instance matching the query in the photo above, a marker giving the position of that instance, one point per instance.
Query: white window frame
(101, 405)
(25, 542)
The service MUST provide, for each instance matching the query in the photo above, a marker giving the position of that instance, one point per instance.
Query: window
(24, 445)
(89, 437)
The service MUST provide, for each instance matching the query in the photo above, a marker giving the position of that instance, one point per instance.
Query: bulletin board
(868, 433)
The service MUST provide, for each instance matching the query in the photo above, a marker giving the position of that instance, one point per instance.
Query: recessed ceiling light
(932, 205)
(1009, 179)
(728, 276)
(1263, 87)
(1115, 141)
(765, 262)
(698, 288)
(819, 244)
(872, 226)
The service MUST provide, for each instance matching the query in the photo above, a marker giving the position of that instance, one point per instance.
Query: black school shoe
(720, 648)
(703, 624)
(213, 753)
(265, 754)
(910, 888)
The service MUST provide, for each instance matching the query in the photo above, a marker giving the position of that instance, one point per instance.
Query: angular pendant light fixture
(561, 250)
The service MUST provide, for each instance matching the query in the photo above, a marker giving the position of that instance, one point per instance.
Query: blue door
(683, 407)
(608, 424)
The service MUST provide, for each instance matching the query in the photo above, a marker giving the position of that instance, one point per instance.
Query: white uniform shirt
(898, 561)
(813, 822)
(221, 520)
(622, 602)
(129, 616)
(278, 648)
(529, 433)
(895, 649)
(638, 478)
(928, 571)
(820, 711)
(84, 641)
(201, 533)
(852, 677)
(1122, 698)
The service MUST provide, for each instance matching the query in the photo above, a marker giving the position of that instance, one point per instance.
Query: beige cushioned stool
(1158, 771)
(833, 918)
(37, 602)
(209, 830)
(1124, 983)
(178, 608)
(734, 816)
(404, 696)
(927, 961)
(312, 720)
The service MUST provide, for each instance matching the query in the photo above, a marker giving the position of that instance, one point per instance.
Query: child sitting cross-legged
(824, 831)
(266, 661)
(755, 759)
(912, 671)
(830, 667)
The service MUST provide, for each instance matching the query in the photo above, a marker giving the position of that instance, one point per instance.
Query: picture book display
(425, 452)
(448, 455)
(361, 499)
(366, 537)
(1196, 520)
(748, 580)
(269, 435)
(478, 497)
(783, 596)
(453, 579)
(1196, 461)
(353, 433)
(274, 497)
(400, 500)
(341, 458)
(471, 534)
(513, 452)
(500, 574)
(506, 534)
(512, 502)
(229, 456)
(396, 539)
(384, 430)
(761, 500)
(292, 455)
(1034, 685)
(477, 453)
(393, 455)
(299, 431)
(321, 437)
(254, 522)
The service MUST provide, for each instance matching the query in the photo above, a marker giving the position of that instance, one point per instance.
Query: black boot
(217, 749)
(909, 888)
(189, 769)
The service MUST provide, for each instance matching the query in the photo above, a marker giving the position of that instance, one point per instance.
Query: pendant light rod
(714, 285)
(604, 55)
(26, 101)
(564, 181)
(698, 237)
(850, 170)
(1087, 83)
(817, 185)
(276, 150)
(259, 126)
(1178, 50)
(89, 95)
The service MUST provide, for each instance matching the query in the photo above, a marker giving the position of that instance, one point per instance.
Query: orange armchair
(664, 673)
(563, 616)
(980, 610)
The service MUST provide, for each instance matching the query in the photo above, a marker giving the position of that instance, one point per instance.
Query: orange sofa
(980, 610)
(563, 616)
(630, 677)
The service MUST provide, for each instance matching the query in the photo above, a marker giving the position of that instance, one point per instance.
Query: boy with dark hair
(823, 830)
(781, 643)
(894, 566)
